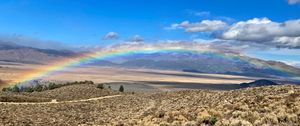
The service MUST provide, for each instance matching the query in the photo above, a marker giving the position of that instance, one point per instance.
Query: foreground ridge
(271, 105)
(55, 102)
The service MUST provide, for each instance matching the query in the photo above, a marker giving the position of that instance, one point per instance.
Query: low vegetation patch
(39, 87)
(20, 98)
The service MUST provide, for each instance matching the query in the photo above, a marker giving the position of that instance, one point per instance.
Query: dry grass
(65, 93)
(21, 98)
(278, 105)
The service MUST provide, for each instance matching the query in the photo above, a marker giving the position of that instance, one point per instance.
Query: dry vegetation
(21, 98)
(273, 105)
(65, 93)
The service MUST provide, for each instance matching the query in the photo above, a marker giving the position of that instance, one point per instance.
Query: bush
(121, 89)
(100, 86)
(38, 88)
(29, 89)
(4, 89)
(88, 82)
(52, 86)
(211, 121)
(15, 89)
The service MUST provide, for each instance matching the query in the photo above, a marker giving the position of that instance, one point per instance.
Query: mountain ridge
(188, 61)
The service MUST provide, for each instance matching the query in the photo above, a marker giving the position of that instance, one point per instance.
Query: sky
(267, 29)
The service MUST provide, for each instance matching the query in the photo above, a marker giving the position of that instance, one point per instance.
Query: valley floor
(272, 105)
(12, 72)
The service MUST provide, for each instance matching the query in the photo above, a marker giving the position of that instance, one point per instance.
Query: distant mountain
(258, 83)
(209, 63)
(22, 54)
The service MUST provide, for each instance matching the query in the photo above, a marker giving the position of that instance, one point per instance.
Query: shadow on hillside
(188, 85)
(198, 76)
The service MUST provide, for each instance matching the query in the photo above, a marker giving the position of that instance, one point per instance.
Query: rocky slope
(272, 105)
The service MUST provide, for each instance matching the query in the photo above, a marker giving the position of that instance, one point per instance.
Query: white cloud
(263, 30)
(292, 42)
(294, 1)
(293, 63)
(111, 35)
(137, 38)
(202, 13)
(203, 26)
(178, 44)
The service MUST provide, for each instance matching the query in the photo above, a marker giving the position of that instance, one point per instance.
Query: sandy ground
(10, 71)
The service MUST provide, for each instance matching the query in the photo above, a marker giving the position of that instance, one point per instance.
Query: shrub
(211, 121)
(4, 89)
(89, 82)
(52, 86)
(38, 88)
(100, 86)
(15, 89)
(29, 89)
(121, 89)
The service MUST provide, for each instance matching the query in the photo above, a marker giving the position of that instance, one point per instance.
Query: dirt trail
(55, 102)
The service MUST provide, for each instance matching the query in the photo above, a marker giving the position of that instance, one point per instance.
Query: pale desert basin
(9, 72)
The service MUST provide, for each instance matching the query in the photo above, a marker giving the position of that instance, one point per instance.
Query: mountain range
(187, 61)
(23, 54)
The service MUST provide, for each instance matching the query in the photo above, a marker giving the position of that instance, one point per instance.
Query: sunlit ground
(9, 72)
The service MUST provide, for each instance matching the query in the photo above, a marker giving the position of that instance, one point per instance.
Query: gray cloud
(293, 1)
(137, 38)
(111, 35)
(265, 31)
(203, 26)
(213, 45)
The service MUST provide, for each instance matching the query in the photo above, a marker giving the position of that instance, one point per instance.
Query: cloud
(137, 38)
(265, 31)
(203, 26)
(290, 42)
(293, 1)
(202, 13)
(214, 46)
(293, 63)
(111, 35)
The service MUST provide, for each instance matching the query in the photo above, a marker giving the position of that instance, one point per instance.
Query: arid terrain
(149, 63)
(11, 71)
(272, 105)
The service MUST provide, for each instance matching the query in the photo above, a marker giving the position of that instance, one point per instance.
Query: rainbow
(61, 65)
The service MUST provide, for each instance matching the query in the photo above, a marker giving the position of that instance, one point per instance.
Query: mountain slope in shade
(209, 63)
(21, 54)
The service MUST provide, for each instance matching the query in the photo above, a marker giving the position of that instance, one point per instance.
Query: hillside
(65, 93)
(22, 54)
(207, 63)
(272, 105)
